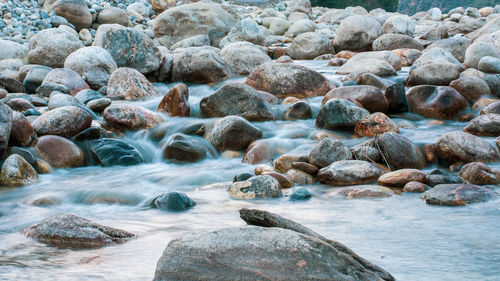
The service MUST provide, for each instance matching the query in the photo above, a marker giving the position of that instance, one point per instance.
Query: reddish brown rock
(130, 84)
(438, 102)
(22, 133)
(370, 97)
(472, 88)
(68, 78)
(416, 187)
(130, 117)
(19, 104)
(479, 173)
(59, 152)
(282, 179)
(62, 121)
(362, 191)
(484, 125)
(175, 102)
(375, 124)
(401, 177)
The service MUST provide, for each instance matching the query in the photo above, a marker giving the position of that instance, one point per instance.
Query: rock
(113, 15)
(479, 173)
(243, 57)
(74, 231)
(19, 104)
(457, 46)
(328, 151)
(95, 64)
(400, 178)
(99, 105)
(303, 6)
(127, 83)
(59, 152)
(129, 47)
(75, 11)
(16, 172)
(371, 65)
(186, 148)
(460, 147)
(62, 121)
(300, 177)
(34, 78)
(434, 67)
(48, 87)
(375, 124)
(269, 249)
(6, 123)
(298, 110)
(242, 177)
(415, 187)
(399, 24)
(288, 79)
(236, 99)
(302, 26)
(490, 38)
(357, 33)
(362, 191)
(195, 41)
(130, 117)
(366, 152)
(198, 19)
(489, 64)
(472, 88)
(476, 51)
(199, 65)
(111, 152)
(22, 132)
(340, 113)
(256, 187)
(396, 41)
(491, 108)
(484, 125)
(71, 80)
(50, 47)
(437, 176)
(309, 45)
(175, 102)
(349, 172)
(232, 132)
(279, 26)
(244, 30)
(438, 102)
(370, 97)
(12, 50)
(283, 180)
(399, 152)
(173, 201)
(299, 193)
(10, 84)
(457, 194)
(407, 56)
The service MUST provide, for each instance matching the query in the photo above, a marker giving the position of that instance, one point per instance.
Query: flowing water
(411, 240)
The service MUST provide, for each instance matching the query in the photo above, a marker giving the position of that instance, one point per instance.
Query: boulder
(12, 50)
(22, 133)
(370, 97)
(245, 30)
(70, 230)
(175, 102)
(263, 186)
(472, 88)
(75, 11)
(460, 147)
(476, 51)
(438, 102)
(491, 108)
(59, 152)
(236, 99)
(302, 26)
(349, 172)
(457, 194)
(128, 83)
(111, 152)
(173, 201)
(328, 151)
(279, 26)
(340, 114)
(199, 65)
(184, 148)
(309, 45)
(479, 173)
(113, 15)
(357, 33)
(484, 125)
(63, 121)
(95, 64)
(200, 18)
(51, 47)
(232, 132)
(457, 46)
(400, 178)
(399, 24)
(243, 57)
(303, 6)
(130, 117)
(288, 79)
(361, 191)
(434, 67)
(489, 64)
(34, 78)
(129, 47)
(5, 127)
(298, 110)
(16, 172)
(71, 81)
(399, 152)
(415, 187)
(490, 38)
(195, 41)
(375, 124)
(396, 41)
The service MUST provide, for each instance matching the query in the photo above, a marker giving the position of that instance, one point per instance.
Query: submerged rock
(186, 148)
(173, 201)
(479, 173)
(110, 152)
(458, 194)
(349, 172)
(74, 231)
(263, 186)
(299, 193)
(361, 191)
(232, 132)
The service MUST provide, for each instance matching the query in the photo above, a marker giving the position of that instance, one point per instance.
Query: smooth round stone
(62, 121)
(415, 187)
(173, 201)
(361, 191)
(99, 105)
(400, 178)
(458, 194)
(59, 152)
(16, 172)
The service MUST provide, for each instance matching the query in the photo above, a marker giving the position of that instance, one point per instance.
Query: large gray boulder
(245, 30)
(476, 51)
(280, 250)
(309, 45)
(95, 64)
(357, 33)
(232, 132)
(340, 114)
(200, 18)
(460, 147)
(12, 50)
(243, 57)
(75, 11)
(436, 66)
(199, 65)
(51, 47)
(399, 24)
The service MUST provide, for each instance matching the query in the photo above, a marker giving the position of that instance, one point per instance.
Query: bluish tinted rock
(111, 152)
(299, 193)
(173, 201)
